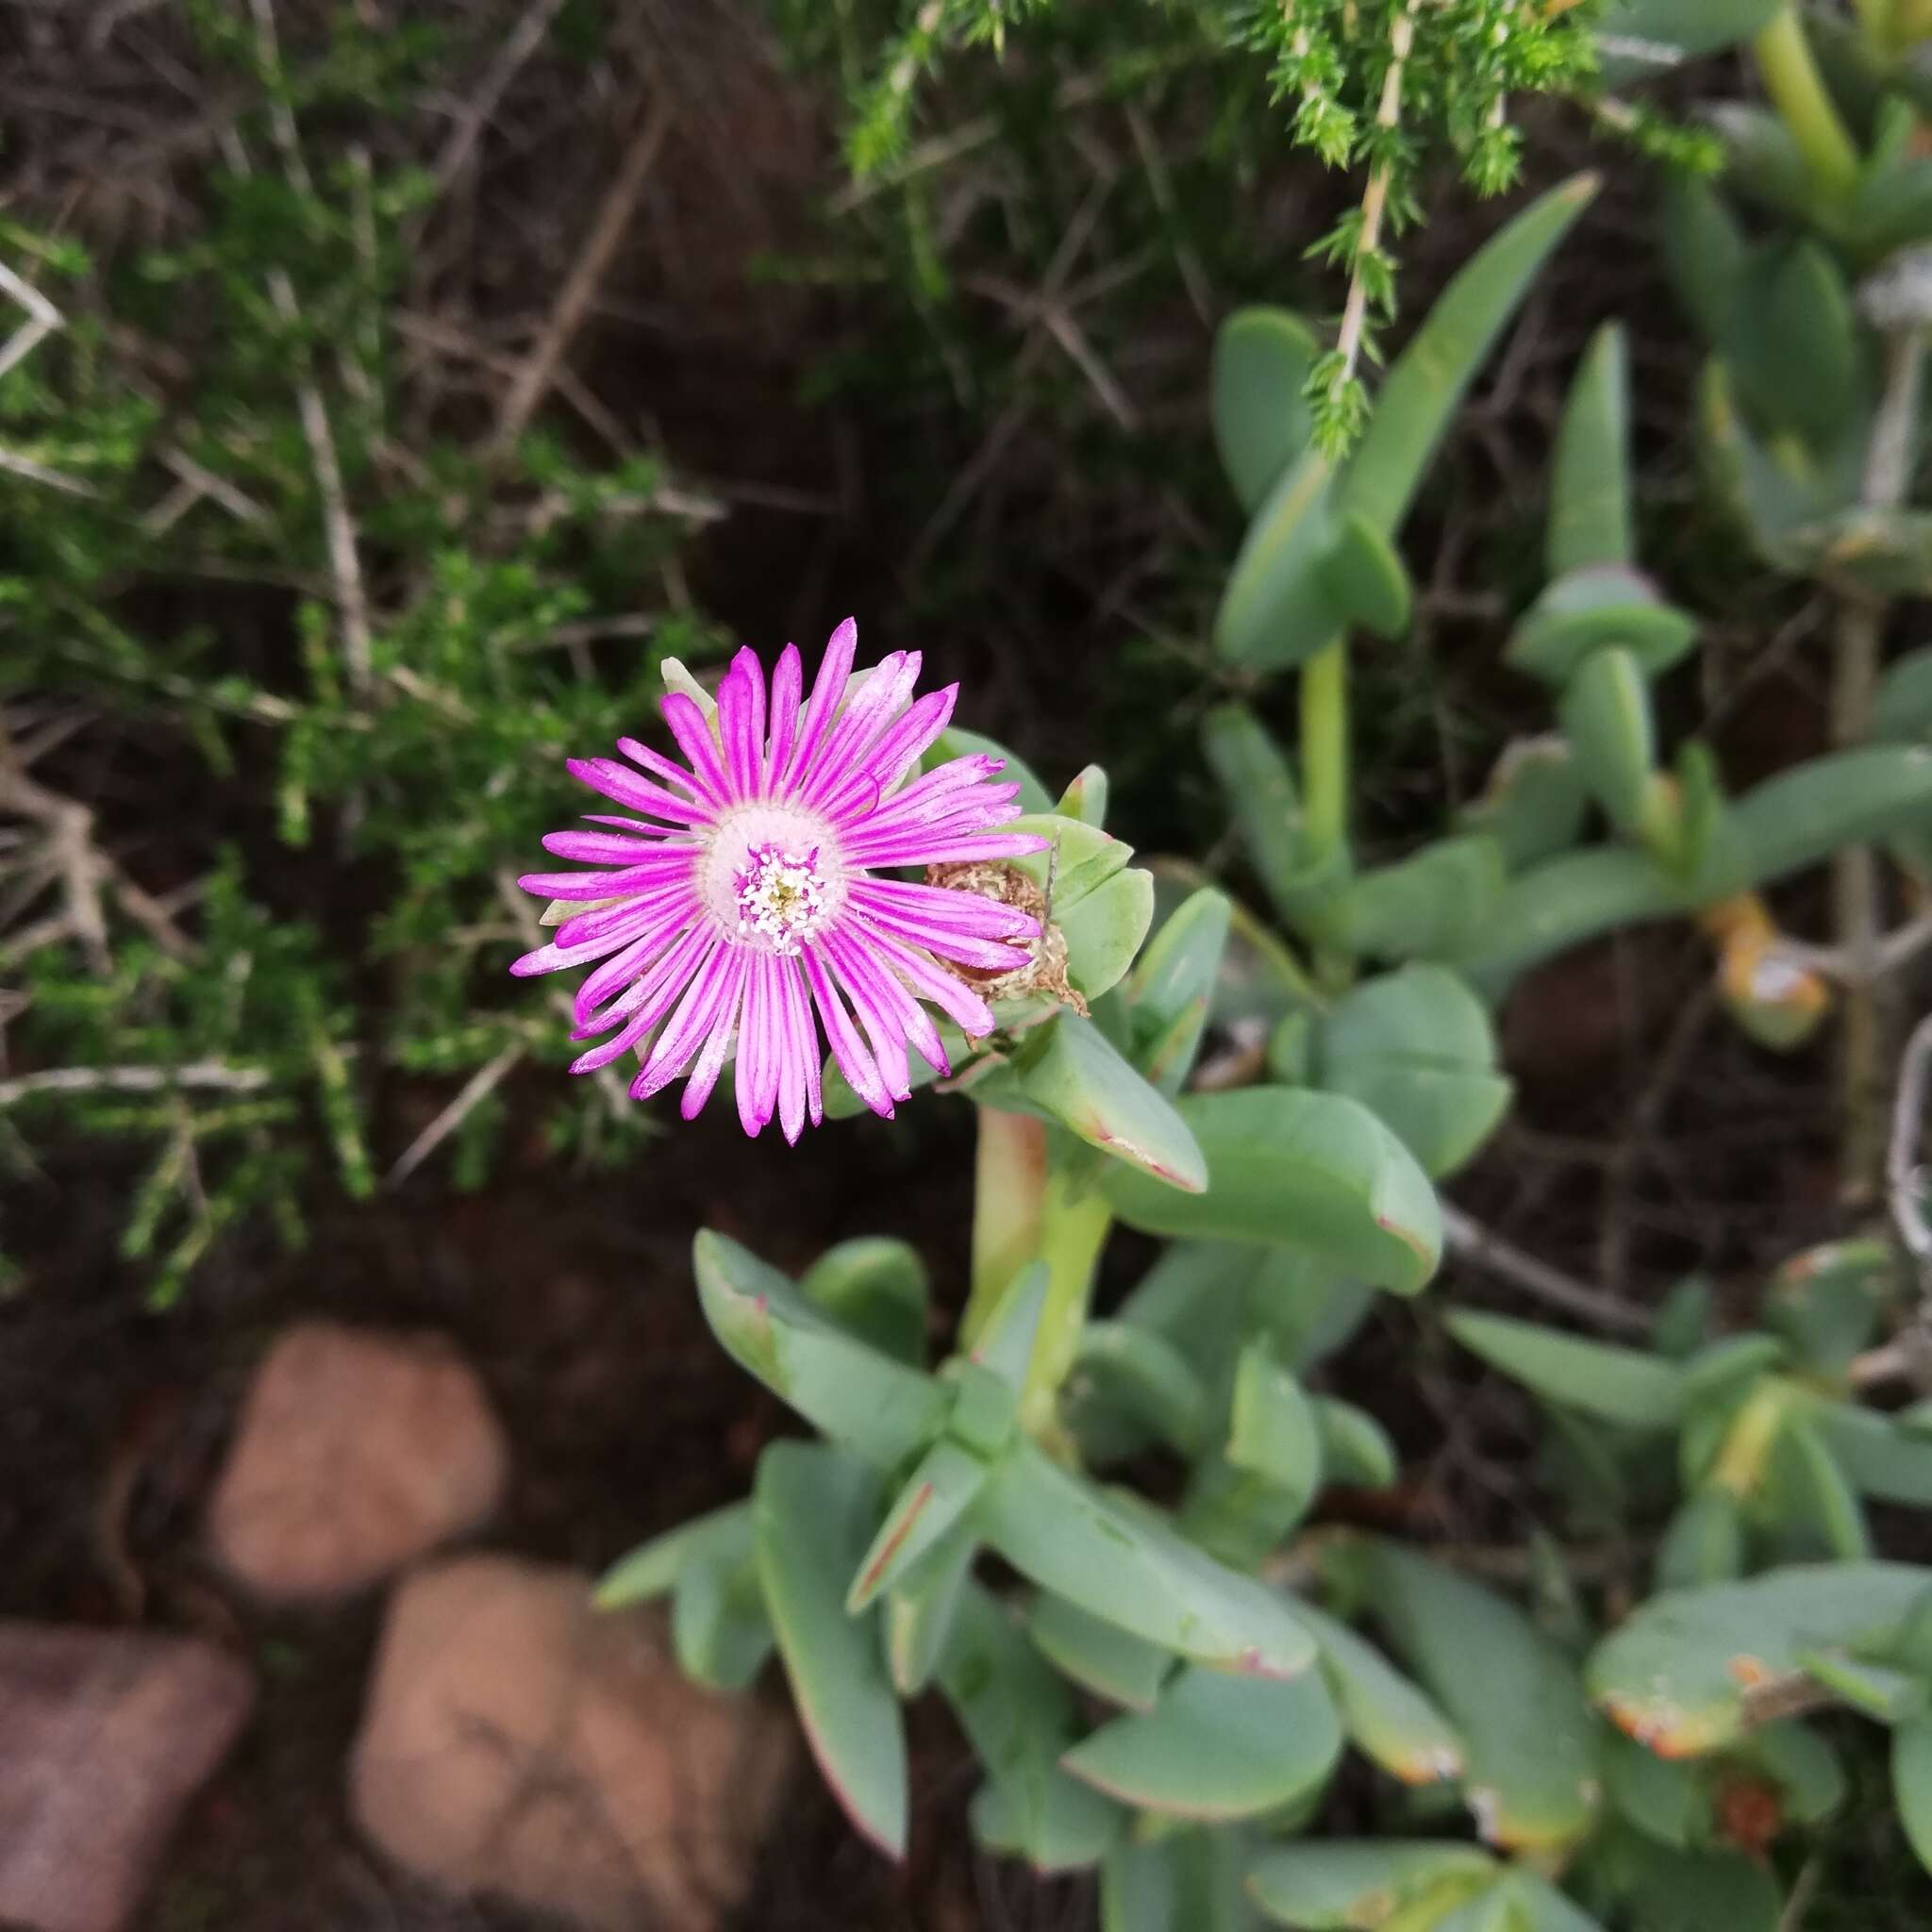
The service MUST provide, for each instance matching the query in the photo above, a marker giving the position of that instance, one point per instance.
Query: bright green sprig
(1458, 65)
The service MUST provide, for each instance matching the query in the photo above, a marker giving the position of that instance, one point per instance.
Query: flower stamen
(781, 897)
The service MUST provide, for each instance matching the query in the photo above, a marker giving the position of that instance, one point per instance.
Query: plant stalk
(1869, 1002)
(1074, 1221)
(1797, 90)
(1008, 1195)
(1324, 751)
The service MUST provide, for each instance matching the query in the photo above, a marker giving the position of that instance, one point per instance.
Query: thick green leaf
(1829, 1301)
(1259, 786)
(1793, 346)
(1387, 1718)
(1878, 1457)
(1422, 1015)
(1273, 1431)
(1005, 1345)
(1364, 577)
(1333, 1885)
(1675, 31)
(956, 743)
(1562, 902)
(1806, 814)
(1666, 1801)
(1530, 1741)
(848, 1391)
(1245, 1502)
(1431, 376)
(1590, 483)
(1079, 857)
(1313, 1170)
(1698, 1892)
(1704, 1544)
(1601, 1378)
(1543, 1907)
(719, 1630)
(1422, 907)
(1911, 1783)
(1261, 418)
(1704, 252)
(1138, 1372)
(1764, 163)
(1076, 1077)
(652, 1569)
(876, 1287)
(1534, 802)
(1172, 987)
(1186, 1880)
(1416, 1048)
(1099, 1656)
(1104, 930)
(1803, 1767)
(1724, 1368)
(1890, 1696)
(1216, 1748)
(1278, 608)
(1126, 1566)
(1902, 709)
(1606, 713)
(933, 1498)
(1356, 1448)
(1085, 797)
(1686, 1671)
(1807, 1491)
(920, 1612)
(1304, 1307)
(1020, 1718)
(813, 1510)
(1605, 605)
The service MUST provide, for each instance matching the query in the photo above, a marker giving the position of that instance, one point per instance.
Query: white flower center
(770, 877)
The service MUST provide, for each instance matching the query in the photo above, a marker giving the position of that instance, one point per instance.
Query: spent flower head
(740, 900)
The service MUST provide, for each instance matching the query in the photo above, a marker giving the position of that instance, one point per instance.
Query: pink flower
(743, 900)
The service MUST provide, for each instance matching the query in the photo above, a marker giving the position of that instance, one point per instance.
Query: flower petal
(696, 1012)
(692, 731)
(828, 690)
(741, 723)
(758, 1048)
(917, 848)
(607, 776)
(704, 1074)
(855, 1062)
(646, 980)
(798, 1067)
(877, 703)
(901, 747)
(929, 980)
(787, 681)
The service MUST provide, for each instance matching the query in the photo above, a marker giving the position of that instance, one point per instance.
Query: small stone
(105, 1736)
(516, 1742)
(357, 1453)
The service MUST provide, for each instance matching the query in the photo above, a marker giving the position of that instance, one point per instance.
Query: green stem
(1876, 18)
(1870, 1022)
(1075, 1220)
(1324, 751)
(1797, 90)
(1009, 1195)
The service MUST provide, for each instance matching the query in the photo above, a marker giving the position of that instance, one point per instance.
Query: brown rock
(356, 1452)
(105, 1736)
(517, 1742)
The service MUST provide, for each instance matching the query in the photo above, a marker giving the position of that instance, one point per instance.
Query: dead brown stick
(540, 367)
(523, 40)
